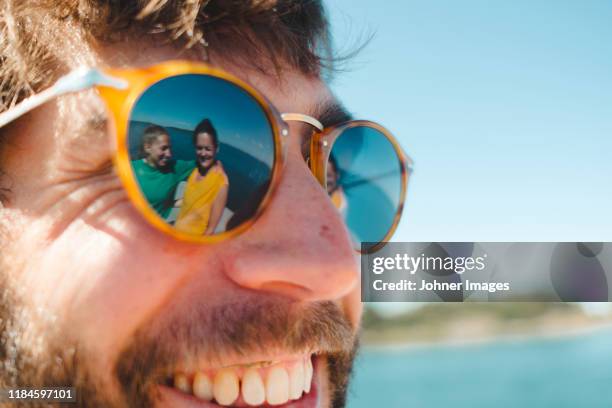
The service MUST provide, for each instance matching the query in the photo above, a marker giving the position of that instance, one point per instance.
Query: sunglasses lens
(202, 152)
(364, 180)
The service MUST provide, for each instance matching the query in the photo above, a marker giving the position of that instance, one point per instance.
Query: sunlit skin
(86, 256)
(159, 152)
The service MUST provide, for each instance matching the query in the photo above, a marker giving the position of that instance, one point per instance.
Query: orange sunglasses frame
(120, 103)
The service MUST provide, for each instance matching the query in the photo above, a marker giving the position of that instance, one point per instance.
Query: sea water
(567, 372)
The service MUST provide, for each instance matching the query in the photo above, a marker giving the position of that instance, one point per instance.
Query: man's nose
(299, 247)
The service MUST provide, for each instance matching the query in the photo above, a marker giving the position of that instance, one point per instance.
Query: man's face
(134, 314)
(159, 152)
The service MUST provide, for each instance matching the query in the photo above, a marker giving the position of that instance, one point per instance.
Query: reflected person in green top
(157, 173)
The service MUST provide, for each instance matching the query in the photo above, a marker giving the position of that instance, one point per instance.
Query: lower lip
(174, 398)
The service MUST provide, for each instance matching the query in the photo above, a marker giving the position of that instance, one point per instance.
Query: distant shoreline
(487, 339)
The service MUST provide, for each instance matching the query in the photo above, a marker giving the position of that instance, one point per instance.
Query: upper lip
(248, 358)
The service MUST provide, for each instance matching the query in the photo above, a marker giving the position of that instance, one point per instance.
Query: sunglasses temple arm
(78, 80)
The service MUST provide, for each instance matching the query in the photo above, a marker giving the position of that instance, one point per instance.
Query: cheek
(103, 283)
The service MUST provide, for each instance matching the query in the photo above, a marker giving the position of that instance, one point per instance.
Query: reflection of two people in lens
(206, 191)
(159, 175)
(334, 189)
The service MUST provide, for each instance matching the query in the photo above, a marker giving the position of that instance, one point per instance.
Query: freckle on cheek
(325, 231)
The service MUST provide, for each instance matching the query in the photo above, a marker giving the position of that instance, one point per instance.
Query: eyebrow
(331, 112)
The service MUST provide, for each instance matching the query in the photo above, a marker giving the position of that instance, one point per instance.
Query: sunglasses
(200, 152)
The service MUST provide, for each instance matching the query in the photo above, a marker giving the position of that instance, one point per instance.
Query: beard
(37, 354)
(32, 354)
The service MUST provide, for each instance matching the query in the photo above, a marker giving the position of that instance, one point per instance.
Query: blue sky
(505, 106)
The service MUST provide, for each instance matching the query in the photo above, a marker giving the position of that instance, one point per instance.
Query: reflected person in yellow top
(206, 191)
(334, 189)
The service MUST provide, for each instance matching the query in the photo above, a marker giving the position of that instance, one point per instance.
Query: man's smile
(287, 382)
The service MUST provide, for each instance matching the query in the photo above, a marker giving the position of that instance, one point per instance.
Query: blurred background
(506, 109)
(485, 355)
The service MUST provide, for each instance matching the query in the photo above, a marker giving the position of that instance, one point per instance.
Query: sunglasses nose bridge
(318, 145)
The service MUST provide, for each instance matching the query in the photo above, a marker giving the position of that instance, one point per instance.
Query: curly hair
(39, 39)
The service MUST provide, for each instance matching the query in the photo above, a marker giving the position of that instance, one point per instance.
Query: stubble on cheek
(25, 331)
(35, 346)
(36, 351)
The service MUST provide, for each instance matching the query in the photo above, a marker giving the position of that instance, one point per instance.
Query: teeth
(308, 371)
(202, 387)
(277, 386)
(296, 380)
(253, 390)
(182, 383)
(226, 387)
(275, 383)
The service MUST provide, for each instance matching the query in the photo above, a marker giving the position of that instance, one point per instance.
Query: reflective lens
(364, 181)
(202, 152)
